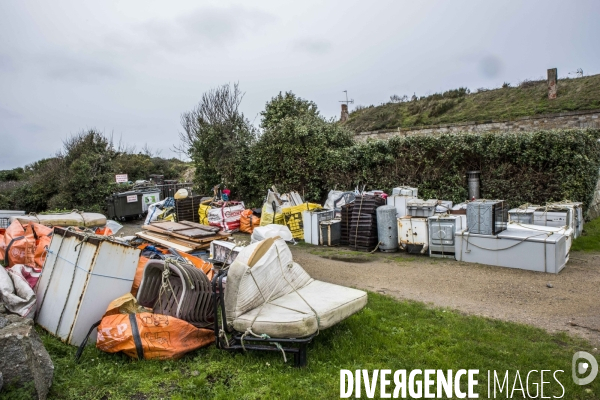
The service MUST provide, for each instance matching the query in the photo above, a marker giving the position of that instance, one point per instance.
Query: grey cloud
(206, 26)
(313, 46)
(6, 63)
(33, 128)
(79, 70)
(490, 66)
(7, 114)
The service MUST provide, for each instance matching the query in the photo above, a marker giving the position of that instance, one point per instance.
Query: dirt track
(571, 305)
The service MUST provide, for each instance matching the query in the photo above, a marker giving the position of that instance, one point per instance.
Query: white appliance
(405, 191)
(568, 232)
(421, 208)
(413, 234)
(528, 250)
(522, 215)
(553, 218)
(5, 217)
(443, 206)
(311, 221)
(575, 215)
(400, 202)
(79, 279)
(441, 234)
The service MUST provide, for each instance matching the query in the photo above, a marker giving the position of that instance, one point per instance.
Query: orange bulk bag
(248, 221)
(148, 336)
(27, 246)
(43, 236)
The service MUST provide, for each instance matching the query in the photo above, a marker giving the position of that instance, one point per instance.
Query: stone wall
(574, 119)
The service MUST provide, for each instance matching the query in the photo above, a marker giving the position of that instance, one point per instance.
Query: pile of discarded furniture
(164, 291)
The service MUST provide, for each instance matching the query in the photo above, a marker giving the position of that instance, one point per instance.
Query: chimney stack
(344, 116)
(552, 81)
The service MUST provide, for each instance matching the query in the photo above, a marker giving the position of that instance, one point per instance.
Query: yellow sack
(203, 212)
(293, 218)
(266, 216)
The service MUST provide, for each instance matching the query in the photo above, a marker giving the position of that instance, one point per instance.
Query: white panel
(81, 293)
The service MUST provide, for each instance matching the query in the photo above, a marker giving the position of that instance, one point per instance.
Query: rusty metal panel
(79, 279)
(413, 231)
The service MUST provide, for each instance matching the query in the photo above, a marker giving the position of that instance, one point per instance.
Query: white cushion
(249, 286)
(290, 315)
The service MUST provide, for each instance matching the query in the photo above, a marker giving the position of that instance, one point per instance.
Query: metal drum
(473, 179)
(387, 229)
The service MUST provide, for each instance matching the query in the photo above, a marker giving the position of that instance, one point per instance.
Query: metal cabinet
(441, 234)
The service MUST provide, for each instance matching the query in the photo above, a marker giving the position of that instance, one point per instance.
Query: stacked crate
(345, 230)
(363, 223)
(187, 209)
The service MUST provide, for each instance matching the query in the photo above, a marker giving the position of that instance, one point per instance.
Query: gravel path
(571, 304)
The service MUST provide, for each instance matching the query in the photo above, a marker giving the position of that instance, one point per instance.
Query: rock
(3, 321)
(549, 285)
(3, 309)
(1, 381)
(23, 359)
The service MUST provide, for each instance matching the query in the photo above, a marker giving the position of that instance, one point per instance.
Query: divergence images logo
(580, 367)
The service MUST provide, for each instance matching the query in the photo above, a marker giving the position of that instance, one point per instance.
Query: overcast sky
(132, 67)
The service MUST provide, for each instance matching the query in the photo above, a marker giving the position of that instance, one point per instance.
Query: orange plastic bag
(106, 231)
(139, 274)
(248, 221)
(146, 335)
(27, 246)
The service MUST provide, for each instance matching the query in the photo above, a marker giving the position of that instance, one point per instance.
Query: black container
(122, 206)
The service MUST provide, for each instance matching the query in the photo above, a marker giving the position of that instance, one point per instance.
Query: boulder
(23, 359)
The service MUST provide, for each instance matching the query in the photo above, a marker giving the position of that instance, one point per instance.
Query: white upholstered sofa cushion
(291, 316)
(265, 273)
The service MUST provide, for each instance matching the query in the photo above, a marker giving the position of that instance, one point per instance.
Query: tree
(286, 106)
(217, 137)
(296, 148)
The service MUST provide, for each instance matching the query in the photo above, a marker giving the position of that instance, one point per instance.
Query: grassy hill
(460, 105)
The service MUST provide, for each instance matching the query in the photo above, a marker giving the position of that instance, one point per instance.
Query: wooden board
(195, 232)
(170, 226)
(178, 234)
(166, 243)
(182, 242)
(200, 226)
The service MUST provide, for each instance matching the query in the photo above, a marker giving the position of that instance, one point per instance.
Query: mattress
(291, 316)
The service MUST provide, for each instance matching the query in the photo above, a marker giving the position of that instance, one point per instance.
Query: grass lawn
(387, 334)
(590, 240)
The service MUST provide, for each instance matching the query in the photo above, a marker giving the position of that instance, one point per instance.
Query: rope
(86, 271)
(375, 249)
(505, 248)
(166, 285)
(292, 286)
(358, 220)
(264, 335)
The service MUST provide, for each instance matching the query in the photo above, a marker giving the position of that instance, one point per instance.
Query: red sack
(227, 217)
